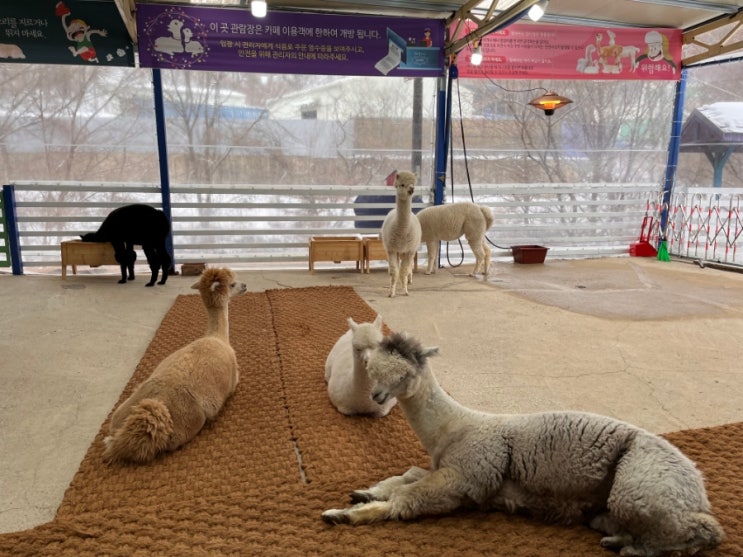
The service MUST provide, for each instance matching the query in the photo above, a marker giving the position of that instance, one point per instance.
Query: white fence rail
(261, 225)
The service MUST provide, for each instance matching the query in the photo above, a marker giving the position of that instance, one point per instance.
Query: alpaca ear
(216, 284)
(378, 322)
(428, 352)
(352, 324)
(196, 284)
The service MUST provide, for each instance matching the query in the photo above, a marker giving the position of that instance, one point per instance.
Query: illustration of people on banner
(79, 33)
(606, 55)
(545, 51)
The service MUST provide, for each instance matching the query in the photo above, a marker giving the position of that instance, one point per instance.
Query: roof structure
(715, 130)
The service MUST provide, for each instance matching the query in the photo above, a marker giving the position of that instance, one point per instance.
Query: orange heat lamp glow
(550, 102)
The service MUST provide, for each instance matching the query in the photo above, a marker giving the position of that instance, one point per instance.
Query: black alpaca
(139, 225)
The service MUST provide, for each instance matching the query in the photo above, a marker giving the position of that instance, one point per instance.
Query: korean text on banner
(225, 39)
(525, 51)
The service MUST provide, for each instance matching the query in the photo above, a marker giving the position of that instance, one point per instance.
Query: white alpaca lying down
(349, 387)
(637, 488)
(445, 223)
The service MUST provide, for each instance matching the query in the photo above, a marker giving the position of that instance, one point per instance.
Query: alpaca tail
(488, 215)
(144, 433)
(706, 532)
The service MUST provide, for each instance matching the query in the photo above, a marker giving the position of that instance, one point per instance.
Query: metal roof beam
(485, 24)
(717, 47)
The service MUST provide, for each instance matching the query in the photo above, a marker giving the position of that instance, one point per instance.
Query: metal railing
(705, 224)
(268, 225)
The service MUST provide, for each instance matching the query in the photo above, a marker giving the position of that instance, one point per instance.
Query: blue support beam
(11, 223)
(443, 133)
(673, 150)
(162, 150)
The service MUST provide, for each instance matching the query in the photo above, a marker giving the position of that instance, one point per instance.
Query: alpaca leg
(166, 260)
(476, 245)
(432, 253)
(131, 259)
(616, 537)
(123, 257)
(488, 251)
(382, 491)
(438, 492)
(394, 271)
(406, 271)
(153, 259)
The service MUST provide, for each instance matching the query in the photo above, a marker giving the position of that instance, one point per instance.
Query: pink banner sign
(525, 51)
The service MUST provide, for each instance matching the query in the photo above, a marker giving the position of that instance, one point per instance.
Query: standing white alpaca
(188, 388)
(349, 386)
(401, 233)
(637, 488)
(444, 223)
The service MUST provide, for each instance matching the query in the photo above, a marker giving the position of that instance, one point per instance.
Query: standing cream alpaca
(401, 233)
(188, 388)
(635, 487)
(349, 387)
(449, 222)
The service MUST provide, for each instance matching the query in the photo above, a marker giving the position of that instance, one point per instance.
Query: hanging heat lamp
(549, 102)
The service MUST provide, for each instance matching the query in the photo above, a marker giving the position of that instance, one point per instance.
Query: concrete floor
(654, 343)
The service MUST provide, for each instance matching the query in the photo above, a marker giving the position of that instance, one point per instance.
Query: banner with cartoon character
(64, 32)
(525, 51)
(231, 39)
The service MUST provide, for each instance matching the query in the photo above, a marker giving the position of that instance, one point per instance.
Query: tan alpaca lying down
(188, 388)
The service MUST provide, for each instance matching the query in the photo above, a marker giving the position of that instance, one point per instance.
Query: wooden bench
(374, 251)
(337, 249)
(95, 254)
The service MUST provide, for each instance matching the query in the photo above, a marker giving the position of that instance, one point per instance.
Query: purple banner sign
(227, 39)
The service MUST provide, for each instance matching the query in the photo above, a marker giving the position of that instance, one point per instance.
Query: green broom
(663, 251)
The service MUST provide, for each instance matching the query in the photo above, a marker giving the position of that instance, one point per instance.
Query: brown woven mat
(239, 489)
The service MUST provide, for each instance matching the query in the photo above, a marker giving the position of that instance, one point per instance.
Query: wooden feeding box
(529, 254)
(192, 269)
(374, 251)
(95, 254)
(337, 249)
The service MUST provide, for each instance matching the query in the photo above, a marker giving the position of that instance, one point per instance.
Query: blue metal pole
(443, 133)
(673, 151)
(11, 222)
(162, 150)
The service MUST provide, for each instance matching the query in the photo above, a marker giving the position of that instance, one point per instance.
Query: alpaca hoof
(335, 516)
(122, 281)
(161, 282)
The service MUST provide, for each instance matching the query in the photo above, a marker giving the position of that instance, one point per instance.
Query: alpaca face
(390, 374)
(395, 367)
(405, 185)
(217, 286)
(366, 337)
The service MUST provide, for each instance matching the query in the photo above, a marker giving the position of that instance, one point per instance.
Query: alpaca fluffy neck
(218, 322)
(431, 412)
(361, 381)
(404, 212)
